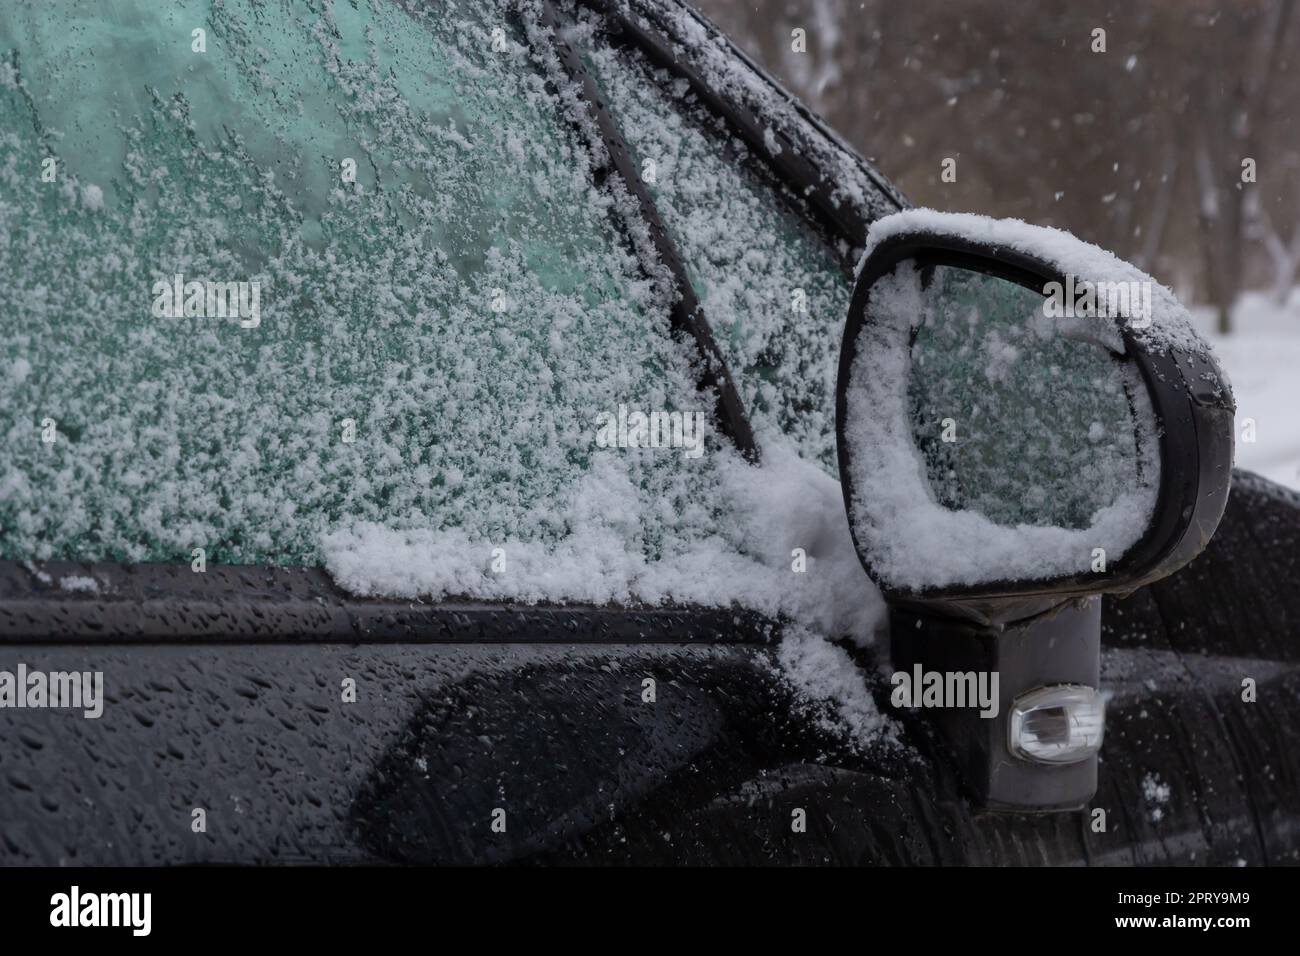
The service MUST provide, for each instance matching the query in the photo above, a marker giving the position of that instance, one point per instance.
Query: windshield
(774, 290)
(271, 269)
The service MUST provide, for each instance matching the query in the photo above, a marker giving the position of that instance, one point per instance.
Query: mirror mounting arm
(1059, 648)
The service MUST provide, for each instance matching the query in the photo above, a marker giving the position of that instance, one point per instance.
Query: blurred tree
(1138, 147)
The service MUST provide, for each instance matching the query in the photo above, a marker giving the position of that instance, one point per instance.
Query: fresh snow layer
(463, 312)
(908, 537)
(749, 560)
(1170, 325)
(1262, 354)
(773, 292)
(786, 504)
(831, 691)
(436, 339)
(79, 582)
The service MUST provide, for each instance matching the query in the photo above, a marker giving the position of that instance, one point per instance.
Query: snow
(747, 561)
(1170, 325)
(377, 303)
(92, 197)
(377, 312)
(1262, 356)
(79, 582)
(909, 538)
(773, 292)
(831, 690)
(1156, 795)
(42, 576)
(783, 505)
(437, 338)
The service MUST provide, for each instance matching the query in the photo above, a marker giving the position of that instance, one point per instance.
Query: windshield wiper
(687, 315)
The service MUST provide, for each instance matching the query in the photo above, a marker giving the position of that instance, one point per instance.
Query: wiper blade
(687, 315)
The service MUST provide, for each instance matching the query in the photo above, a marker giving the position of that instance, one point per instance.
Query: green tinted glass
(774, 292)
(401, 297)
(1015, 419)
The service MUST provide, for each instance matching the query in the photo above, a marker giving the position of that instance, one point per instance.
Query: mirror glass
(1017, 415)
(989, 438)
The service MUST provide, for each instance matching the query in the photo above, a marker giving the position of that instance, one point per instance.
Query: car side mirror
(1024, 423)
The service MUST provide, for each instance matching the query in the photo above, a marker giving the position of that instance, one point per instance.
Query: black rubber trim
(804, 177)
(687, 316)
(172, 604)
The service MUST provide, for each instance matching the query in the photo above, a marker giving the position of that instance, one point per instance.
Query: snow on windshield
(441, 310)
(774, 292)
(445, 303)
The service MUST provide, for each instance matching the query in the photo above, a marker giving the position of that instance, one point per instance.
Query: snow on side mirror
(1021, 415)
(1024, 422)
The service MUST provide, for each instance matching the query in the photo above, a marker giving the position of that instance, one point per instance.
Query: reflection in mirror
(988, 439)
(1013, 419)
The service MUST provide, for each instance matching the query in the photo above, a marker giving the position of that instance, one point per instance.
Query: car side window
(773, 288)
(265, 269)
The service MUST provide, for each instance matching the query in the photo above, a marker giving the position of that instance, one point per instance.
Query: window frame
(803, 137)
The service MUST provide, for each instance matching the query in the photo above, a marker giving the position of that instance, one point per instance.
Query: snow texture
(785, 504)
(774, 293)
(831, 690)
(911, 540)
(1170, 326)
(1156, 795)
(469, 304)
(462, 310)
(79, 582)
(853, 182)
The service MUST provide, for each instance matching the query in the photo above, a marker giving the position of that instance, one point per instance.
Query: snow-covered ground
(1262, 358)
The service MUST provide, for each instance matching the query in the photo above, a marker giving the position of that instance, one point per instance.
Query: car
(424, 436)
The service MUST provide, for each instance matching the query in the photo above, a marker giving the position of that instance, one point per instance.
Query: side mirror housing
(1024, 423)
